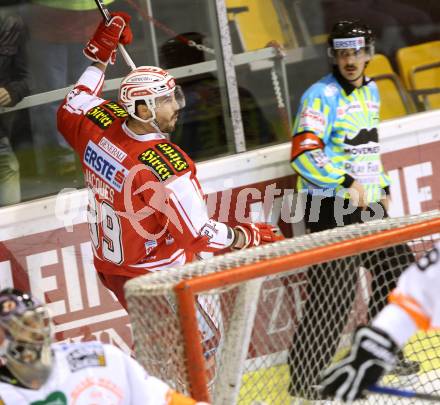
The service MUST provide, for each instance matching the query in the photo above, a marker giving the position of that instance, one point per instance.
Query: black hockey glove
(373, 353)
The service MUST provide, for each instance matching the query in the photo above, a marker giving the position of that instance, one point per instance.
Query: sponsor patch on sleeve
(320, 158)
(102, 118)
(86, 356)
(157, 164)
(174, 157)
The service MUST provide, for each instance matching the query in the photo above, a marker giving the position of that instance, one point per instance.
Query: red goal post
(173, 329)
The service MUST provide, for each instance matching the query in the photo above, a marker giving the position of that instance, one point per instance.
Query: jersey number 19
(105, 229)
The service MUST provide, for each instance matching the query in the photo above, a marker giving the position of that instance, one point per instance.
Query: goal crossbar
(186, 290)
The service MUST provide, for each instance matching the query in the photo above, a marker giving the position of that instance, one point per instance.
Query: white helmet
(150, 84)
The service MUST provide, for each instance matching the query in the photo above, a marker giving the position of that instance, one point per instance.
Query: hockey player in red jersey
(146, 207)
(413, 305)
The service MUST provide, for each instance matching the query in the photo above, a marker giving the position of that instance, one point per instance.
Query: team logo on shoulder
(102, 118)
(116, 109)
(86, 356)
(173, 156)
(157, 164)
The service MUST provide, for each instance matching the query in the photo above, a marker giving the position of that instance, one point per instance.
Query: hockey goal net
(258, 326)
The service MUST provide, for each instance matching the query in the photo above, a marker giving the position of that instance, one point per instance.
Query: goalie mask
(154, 87)
(351, 35)
(26, 325)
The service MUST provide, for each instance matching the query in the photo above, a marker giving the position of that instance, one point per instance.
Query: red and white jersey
(91, 373)
(415, 302)
(146, 207)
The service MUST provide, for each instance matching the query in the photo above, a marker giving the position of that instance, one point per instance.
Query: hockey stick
(106, 15)
(378, 389)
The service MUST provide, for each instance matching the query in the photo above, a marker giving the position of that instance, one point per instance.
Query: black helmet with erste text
(351, 34)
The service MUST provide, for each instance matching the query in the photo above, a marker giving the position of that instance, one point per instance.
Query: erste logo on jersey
(86, 356)
(105, 166)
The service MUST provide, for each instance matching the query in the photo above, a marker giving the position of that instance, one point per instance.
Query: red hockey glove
(251, 235)
(102, 46)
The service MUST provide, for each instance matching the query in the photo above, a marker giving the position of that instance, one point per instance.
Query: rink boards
(45, 243)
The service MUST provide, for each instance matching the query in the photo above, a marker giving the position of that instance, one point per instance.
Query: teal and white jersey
(336, 140)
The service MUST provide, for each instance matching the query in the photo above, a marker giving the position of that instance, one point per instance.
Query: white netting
(271, 337)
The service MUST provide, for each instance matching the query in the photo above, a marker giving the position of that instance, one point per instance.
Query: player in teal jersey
(336, 154)
(335, 143)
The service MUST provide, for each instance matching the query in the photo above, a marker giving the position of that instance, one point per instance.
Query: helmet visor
(180, 97)
(176, 96)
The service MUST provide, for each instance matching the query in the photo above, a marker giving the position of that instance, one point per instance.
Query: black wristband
(348, 181)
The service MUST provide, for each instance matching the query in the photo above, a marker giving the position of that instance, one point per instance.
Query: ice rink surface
(269, 386)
